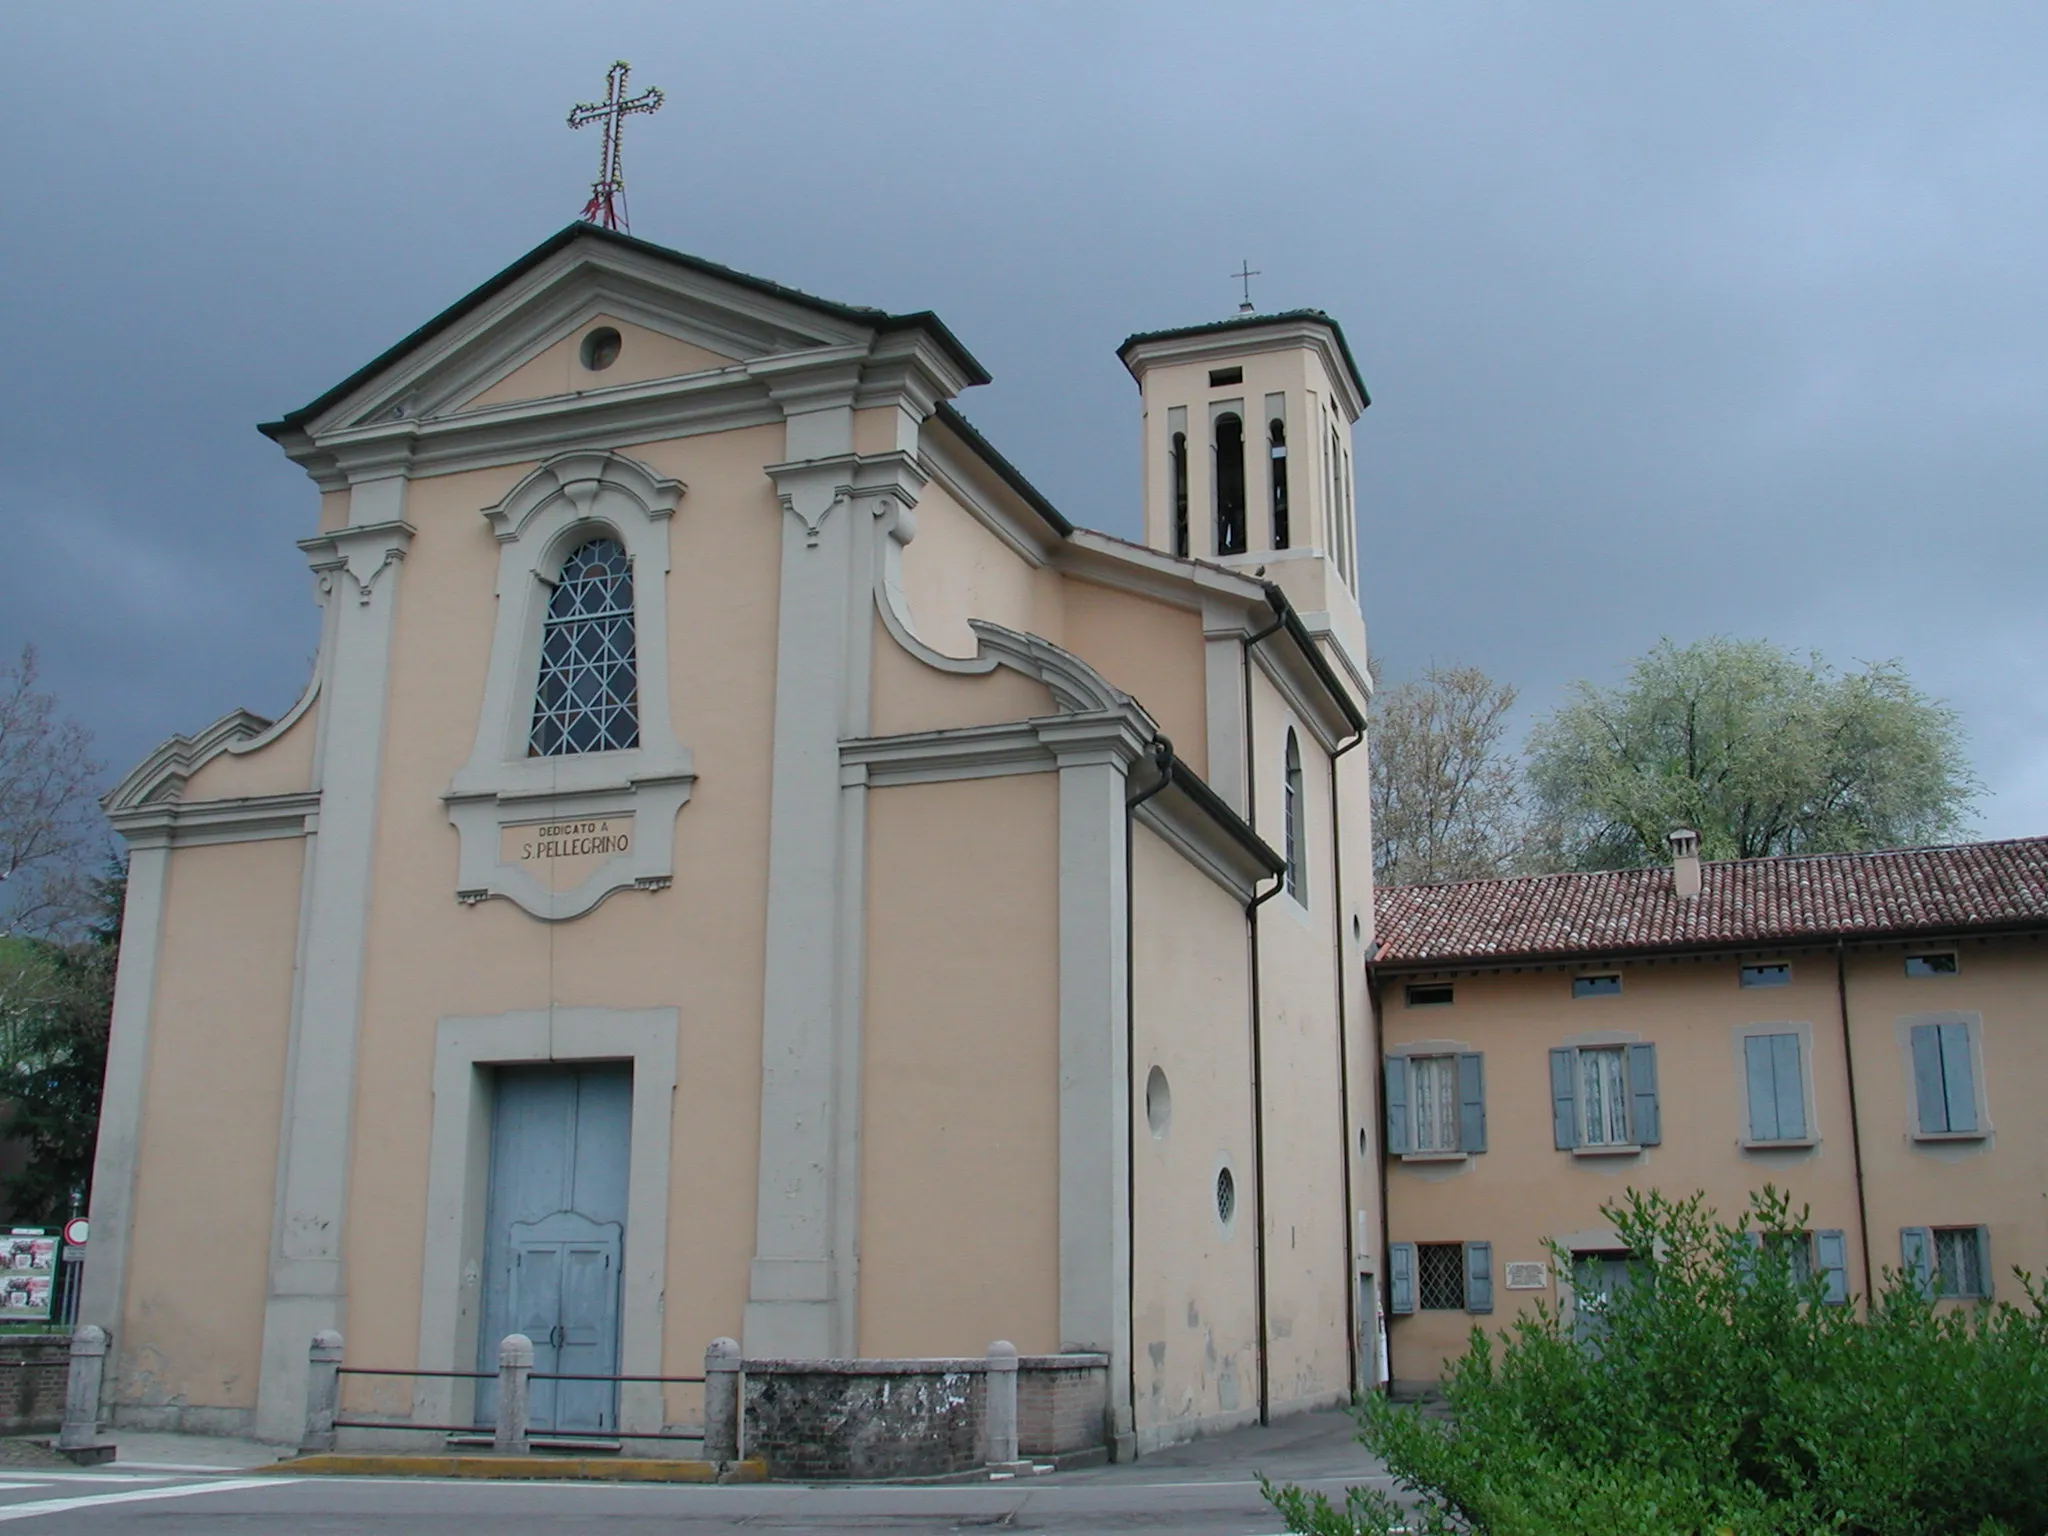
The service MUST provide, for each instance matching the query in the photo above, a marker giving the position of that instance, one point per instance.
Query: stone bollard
(999, 1409)
(722, 1402)
(515, 1365)
(79, 1438)
(323, 1393)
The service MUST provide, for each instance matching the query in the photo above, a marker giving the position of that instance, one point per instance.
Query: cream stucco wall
(1195, 1332)
(281, 766)
(696, 946)
(192, 1321)
(1307, 1265)
(558, 370)
(955, 569)
(1150, 649)
(1521, 1191)
(960, 1077)
(2000, 1181)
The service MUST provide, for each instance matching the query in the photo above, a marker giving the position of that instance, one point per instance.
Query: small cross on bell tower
(607, 205)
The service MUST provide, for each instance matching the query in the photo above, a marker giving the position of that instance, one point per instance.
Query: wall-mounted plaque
(1528, 1275)
(561, 855)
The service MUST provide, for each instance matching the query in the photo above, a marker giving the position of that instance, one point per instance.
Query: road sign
(75, 1230)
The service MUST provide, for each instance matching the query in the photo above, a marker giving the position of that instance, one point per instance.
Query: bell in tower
(1247, 440)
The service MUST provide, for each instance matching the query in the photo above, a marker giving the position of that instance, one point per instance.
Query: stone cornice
(161, 776)
(182, 824)
(1198, 345)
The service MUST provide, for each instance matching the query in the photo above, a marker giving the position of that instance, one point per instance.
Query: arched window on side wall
(1180, 494)
(1293, 812)
(1229, 484)
(1276, 450)
(587, 696)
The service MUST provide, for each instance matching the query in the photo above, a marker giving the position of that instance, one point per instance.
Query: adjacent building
(1866, 1031)
(745, 864)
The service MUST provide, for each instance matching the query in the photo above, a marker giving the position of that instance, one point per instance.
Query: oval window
(601, 348)
(1158, 1102)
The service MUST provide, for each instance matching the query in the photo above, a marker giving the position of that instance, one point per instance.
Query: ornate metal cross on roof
(1244, 274)
(607, 205)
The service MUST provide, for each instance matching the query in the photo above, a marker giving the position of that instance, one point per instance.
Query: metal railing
(511, 1430)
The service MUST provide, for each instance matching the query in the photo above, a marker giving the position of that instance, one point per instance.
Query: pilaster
(358, 570)
(104, 1283)
(801, 1298)
(1094, 1086)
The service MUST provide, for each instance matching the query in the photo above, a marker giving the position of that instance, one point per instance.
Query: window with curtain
(587, 695)
(1603, 1097)
(1434, 1087)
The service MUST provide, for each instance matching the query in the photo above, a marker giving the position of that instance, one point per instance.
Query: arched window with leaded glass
(587, 697)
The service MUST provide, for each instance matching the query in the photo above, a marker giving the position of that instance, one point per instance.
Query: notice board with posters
(28, 1266)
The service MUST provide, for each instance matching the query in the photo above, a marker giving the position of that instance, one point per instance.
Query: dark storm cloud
(1678, 320)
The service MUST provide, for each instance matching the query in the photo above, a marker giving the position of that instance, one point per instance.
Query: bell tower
(1247, 441)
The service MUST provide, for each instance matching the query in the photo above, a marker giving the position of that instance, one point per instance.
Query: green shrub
(1723, 1395)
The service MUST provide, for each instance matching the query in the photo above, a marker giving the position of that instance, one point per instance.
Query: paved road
(1207, 1489)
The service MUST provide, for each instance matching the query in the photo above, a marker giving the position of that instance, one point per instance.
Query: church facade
(745, 864)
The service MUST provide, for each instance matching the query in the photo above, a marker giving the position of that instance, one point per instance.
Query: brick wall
(1062, 1404)
(33, 1369)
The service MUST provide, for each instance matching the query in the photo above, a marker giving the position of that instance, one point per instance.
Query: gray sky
(1678, 320)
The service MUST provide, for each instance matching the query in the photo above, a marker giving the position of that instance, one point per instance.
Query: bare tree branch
(52, 836)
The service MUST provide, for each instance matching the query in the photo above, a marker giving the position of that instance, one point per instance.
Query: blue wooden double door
(555, 1238)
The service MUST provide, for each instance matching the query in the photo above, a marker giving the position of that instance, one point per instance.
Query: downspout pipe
(1161, 754)
(1344, 1063)
(1251, 915)
(1379, 1141)
(1855, 1119)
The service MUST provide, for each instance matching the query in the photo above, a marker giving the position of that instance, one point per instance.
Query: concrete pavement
(1205, 1488)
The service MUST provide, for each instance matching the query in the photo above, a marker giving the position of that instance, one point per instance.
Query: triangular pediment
(517, 338)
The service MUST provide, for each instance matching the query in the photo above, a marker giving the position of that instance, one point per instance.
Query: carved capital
(363, 551)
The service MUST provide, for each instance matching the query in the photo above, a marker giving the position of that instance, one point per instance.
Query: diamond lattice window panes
(587, 699)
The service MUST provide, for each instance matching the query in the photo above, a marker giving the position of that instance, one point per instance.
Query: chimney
(1685, 864)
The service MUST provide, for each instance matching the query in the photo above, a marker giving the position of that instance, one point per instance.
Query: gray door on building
(555, 1235)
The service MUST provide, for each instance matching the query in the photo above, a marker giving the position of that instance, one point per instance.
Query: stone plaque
(561, 855)
(1528, 1275)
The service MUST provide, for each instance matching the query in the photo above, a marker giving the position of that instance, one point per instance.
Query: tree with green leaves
(1446, 790)
(1722, 1393)
(1761, 751)
(56, 1002)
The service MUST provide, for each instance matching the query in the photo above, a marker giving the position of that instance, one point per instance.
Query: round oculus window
(601, 348)
(1226, 1196)
(1158, 1102)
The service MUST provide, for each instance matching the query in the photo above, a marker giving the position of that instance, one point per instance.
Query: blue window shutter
(1916, 1258)
(1479, 1277)
(1398, 1138)
(1747, 1257)
(1831, 1262)
(1984, 1260)
(1959, 1088)
(1644, 1121)
(1763, 1094)
(1927, 1089)
(1791, 1088)
(1400, 1278)
(1471, 1102)
(1564, 1109)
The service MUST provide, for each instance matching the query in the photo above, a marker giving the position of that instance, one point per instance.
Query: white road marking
(139, 1496)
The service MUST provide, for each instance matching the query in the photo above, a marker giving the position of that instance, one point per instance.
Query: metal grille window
(1959, 1261)
(587, 699)
(1435, 1096)
(1603, 1097)
(1440, 1276)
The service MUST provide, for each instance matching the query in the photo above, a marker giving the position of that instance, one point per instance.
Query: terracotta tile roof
(1741, 903)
